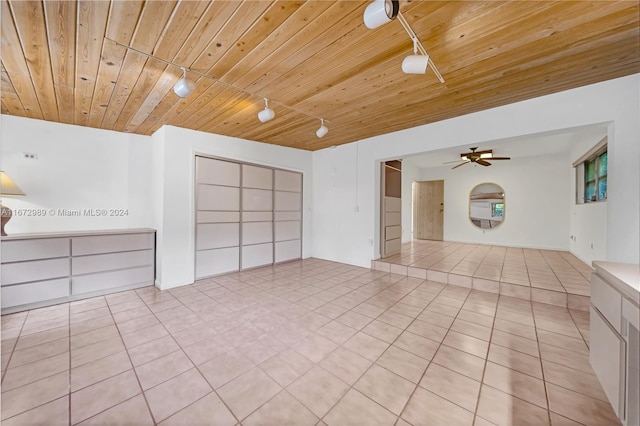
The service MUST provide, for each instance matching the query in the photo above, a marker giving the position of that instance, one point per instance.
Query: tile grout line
(15, 345)
(144, 396)
(486, 361)
(195, 366)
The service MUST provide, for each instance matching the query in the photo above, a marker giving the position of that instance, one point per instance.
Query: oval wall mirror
(486, 205)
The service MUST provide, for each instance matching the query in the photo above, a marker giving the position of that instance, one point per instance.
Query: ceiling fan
(479, 157)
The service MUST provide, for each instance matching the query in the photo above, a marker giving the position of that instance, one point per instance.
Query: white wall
(410, 173)
(77, 168)
(536, 209)
(616, 102)
(176, 189)
(588, 223)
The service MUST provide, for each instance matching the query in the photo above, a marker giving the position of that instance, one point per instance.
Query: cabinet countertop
(69, 234)
(624, 276)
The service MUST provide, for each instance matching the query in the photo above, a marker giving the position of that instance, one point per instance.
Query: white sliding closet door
(288, 215)
(246, 216)
(257, 216)
(217, 217)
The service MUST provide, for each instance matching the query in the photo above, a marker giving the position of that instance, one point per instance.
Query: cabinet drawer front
(606, 356)
(111, 243)
(22, 294)
(607, 300)
(38, 270)
(108, 280)
(110, 262)
(631, 312)
(45, 248)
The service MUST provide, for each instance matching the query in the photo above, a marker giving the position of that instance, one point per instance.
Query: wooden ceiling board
(59, 62)
(91, 25)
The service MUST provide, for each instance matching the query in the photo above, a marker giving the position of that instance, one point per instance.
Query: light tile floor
(547, 276)
(304, 343)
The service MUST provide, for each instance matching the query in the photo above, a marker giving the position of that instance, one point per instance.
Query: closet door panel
(288, 201)
(219, 261)
(224, 198)
(288, 181)
(257, 177)
(289, 230)
(288, 215)
(257, 216)
(217, 235)
(257, 200)
(287, 250)
(217, 217)
(257, 255)
(217, 172)
(257, 232)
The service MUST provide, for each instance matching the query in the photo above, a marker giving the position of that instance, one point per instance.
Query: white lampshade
(267, 113)
(8, 186)
(415, 64)
(379, 12)
(322, 130)
(184, 87)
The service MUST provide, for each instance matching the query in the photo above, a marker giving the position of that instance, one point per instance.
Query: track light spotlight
(415, 64)
(267, 113)
(184, 87)
(379, 12)
(322, 130)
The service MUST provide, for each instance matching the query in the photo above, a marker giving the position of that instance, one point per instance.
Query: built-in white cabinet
(615, 336)
(246, 216)
(45, 269)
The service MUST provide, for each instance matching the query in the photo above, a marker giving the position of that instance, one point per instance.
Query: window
(497, 209)
(591, 174)
(595, 178)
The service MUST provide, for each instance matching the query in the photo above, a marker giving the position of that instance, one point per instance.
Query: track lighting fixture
(184, 87)
(379, 12)
(322, 130)
(267, 113)
(416, 63)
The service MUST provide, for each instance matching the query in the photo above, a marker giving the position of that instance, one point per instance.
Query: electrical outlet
(30, 156)
(356, 209)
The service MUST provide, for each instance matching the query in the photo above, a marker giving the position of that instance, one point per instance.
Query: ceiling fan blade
(483, 163)
(500, 158)
(461, 164)
(451, 162)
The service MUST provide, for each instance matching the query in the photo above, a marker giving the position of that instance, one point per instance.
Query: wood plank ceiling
(60, 62)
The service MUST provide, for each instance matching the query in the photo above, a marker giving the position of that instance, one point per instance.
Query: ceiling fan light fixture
(184, 87)
(379, 12)
(322, 130)
(486, 155)
(267, 114)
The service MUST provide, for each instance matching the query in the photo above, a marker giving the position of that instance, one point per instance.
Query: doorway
(391, 207)
(428, 210)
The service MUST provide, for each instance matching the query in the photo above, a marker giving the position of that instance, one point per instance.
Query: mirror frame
(503, 202)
